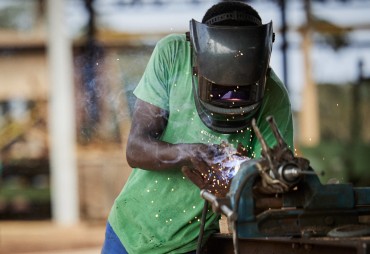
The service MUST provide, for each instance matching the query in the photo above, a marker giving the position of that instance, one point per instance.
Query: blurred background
(67, 72)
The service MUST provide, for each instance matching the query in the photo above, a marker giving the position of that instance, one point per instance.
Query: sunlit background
(68, 69)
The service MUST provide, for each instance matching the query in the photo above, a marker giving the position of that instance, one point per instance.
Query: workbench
(223, 244)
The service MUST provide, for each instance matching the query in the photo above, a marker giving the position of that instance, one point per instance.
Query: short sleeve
(153, 86)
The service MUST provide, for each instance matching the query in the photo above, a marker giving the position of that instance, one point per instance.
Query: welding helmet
(230, 65)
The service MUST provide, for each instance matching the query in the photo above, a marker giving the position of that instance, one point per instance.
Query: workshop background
(67, 72)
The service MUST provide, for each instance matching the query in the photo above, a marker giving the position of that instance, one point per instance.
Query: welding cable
(250, 176)
(202, 224)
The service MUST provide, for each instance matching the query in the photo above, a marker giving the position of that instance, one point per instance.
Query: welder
(195, 100)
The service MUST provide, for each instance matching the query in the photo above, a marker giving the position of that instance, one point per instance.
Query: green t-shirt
(160, 212)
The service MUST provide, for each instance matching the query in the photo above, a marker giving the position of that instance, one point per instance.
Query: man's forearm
(152, 154)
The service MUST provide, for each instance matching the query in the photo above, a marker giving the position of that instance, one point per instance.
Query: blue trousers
(112, 244)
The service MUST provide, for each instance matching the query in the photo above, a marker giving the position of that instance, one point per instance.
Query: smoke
(105, 84)
(228, 162)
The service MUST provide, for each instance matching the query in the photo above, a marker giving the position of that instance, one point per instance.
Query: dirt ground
(42, 237)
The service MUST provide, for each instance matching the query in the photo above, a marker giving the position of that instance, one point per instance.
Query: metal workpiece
(219, 205)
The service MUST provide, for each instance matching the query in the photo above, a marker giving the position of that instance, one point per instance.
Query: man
(197, 92)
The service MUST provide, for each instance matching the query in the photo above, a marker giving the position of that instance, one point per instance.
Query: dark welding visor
(226, 109)
(229, 96)
(231, 55)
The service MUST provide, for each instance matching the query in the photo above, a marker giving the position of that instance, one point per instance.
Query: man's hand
(212, 167)
(212, 181)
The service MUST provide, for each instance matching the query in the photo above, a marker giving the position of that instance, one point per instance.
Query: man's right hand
(203, 170)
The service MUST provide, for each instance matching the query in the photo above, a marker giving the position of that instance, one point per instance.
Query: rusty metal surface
(223, 244)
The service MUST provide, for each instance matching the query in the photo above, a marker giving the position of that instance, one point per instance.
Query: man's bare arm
(146, 151)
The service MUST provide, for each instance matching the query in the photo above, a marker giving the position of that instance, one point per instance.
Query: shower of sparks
(225, 167)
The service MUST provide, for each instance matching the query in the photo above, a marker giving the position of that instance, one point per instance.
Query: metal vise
(281, 195)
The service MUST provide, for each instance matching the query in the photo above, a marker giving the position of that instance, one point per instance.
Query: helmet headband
(235, 15)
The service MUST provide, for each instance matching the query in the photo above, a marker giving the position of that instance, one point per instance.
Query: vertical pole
(284, 46)
(356, 121)
(64, 186)
(309, 115)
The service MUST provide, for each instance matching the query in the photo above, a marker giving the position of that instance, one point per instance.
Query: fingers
(208, 168)
(242, 150)
(194, 176)
(218, 188)
(200, 165)
(202, 183)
